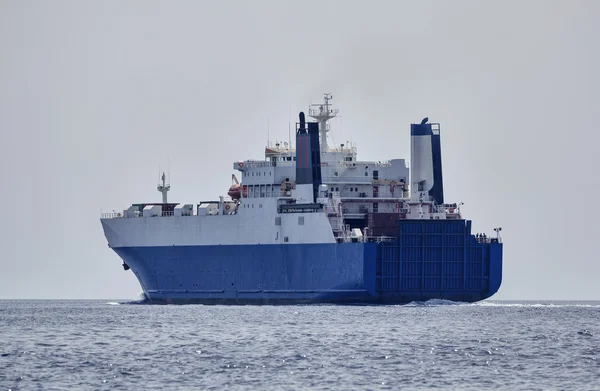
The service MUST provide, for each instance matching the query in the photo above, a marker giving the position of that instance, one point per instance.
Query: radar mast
(164, 188)
(323, 113)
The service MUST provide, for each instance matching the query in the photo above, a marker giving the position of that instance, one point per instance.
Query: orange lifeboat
(235, 191)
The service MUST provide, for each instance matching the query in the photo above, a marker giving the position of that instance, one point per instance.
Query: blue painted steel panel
(437, 191)
(253, 273)
(438, 258)
(420, 129)
(431, 259)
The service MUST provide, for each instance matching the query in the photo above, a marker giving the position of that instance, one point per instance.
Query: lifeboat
(235, 191)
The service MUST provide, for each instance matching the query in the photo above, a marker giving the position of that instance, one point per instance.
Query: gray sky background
(95, 95)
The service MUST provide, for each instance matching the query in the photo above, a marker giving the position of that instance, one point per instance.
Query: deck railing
(113, 215)
(260, 163)
(487, 239)
(129, 215)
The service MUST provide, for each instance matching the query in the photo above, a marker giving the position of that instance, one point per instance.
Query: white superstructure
(267, 207)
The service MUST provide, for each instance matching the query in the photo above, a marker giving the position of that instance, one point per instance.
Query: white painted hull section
(249, 226)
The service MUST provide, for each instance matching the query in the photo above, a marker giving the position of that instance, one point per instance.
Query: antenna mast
(164, 188)
(323, 113)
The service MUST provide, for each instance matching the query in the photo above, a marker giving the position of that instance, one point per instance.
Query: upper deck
(369, 195)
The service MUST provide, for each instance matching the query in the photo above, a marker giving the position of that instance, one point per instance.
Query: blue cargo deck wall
(437, 259)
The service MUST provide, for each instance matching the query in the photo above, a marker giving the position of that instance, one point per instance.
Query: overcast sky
(95, 95)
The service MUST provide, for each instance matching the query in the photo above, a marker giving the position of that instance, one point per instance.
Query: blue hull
(428, 260)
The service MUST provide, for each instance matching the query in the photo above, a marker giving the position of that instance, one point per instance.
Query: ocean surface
(98, 345)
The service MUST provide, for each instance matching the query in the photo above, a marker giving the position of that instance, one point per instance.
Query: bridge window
(277, 220)
(300, 220)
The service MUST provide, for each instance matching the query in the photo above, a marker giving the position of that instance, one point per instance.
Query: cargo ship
(313, 224)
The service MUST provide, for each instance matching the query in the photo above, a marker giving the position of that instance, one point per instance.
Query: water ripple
(436, 344)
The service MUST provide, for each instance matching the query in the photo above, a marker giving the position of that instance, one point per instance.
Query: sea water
(102, 345)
